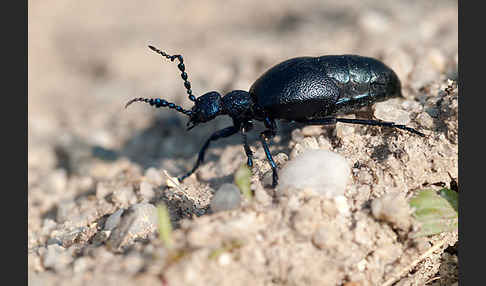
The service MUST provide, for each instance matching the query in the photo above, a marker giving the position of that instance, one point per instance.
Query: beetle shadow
(165, 144)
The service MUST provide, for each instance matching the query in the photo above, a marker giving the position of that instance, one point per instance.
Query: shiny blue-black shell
(315, 87)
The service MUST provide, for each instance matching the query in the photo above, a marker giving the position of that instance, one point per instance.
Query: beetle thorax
(238, 104)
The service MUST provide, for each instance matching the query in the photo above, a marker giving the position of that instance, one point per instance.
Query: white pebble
(361, 265)
(224, 259)
(227, 197)
(323, 171)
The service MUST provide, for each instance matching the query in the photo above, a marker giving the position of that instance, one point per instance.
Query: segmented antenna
(181, 67)
(158, 102)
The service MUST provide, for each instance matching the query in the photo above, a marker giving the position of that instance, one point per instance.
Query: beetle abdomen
(294, 89)
(361, 80)
(313, 87)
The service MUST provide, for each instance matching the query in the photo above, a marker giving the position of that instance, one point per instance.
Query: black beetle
(310, 90)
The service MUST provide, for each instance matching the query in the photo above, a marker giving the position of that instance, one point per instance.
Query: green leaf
(165, 226)
(243, 180)
(435, 213)
(451, 196)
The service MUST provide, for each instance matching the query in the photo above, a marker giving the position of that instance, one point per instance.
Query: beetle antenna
(181, 67)
(157, 102)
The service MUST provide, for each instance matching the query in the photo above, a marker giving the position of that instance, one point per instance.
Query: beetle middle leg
(267, 135)
(333, 120)
(226, 132)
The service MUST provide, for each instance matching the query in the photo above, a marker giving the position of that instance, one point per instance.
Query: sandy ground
(90, 160)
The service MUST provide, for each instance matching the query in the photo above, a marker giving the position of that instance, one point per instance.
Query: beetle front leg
(226, 132)
(247, 126)
(249, 153)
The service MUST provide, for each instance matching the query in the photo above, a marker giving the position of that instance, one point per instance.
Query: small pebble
(425, 120)
(322, 171)
(113, 220)
(411, 106)
(224, 259)
(47, 226)
(139, 221)
(325, 238)
(57, 257)
(392, 208)
(387, 111)
(146, 191)
(124, 196)
(361, 265)
(227, 197)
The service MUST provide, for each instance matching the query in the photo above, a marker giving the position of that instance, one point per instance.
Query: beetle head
(206, 108)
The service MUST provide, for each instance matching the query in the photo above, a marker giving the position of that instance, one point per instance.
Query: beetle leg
(226, 132)
(248, 151)
(380, 123)
(266, 135)
(332, 120)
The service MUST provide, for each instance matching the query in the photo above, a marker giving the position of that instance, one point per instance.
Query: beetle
(309, 90)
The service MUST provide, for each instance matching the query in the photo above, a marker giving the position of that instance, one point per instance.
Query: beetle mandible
(309, 90)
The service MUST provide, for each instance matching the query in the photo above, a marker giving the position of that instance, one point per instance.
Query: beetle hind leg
(333, 120)
(380, 123)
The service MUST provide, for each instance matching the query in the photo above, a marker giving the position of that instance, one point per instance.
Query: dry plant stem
(409, 267)
(176, 184)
